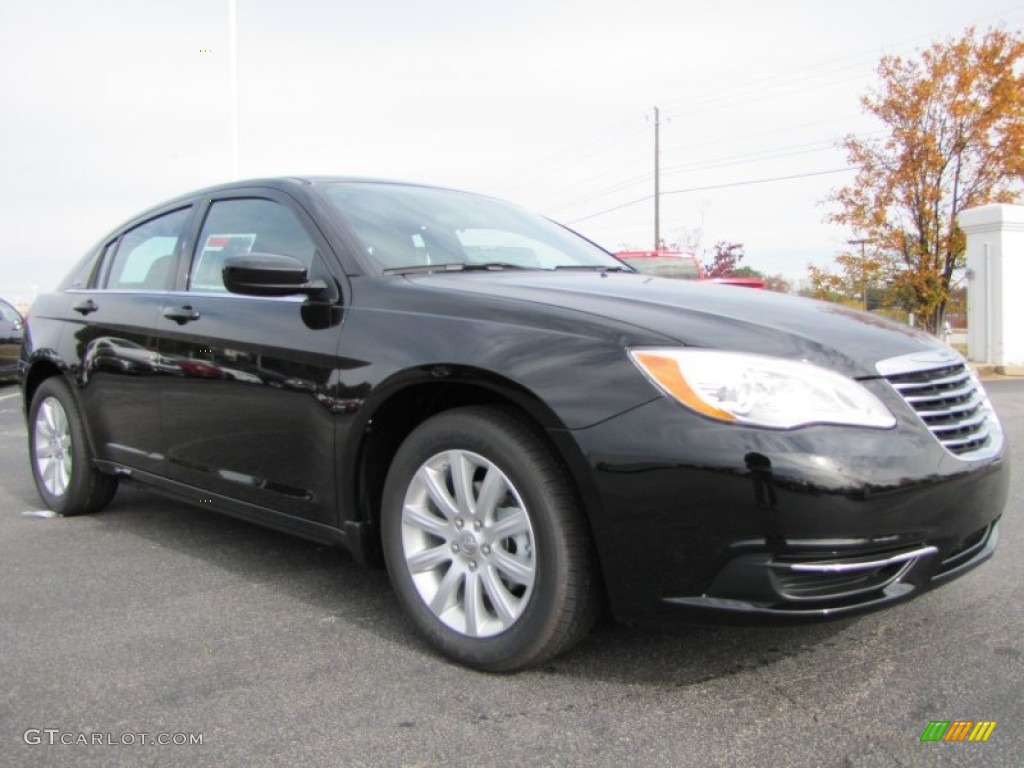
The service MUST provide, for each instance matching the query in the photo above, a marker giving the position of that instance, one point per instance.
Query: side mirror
(270, 274)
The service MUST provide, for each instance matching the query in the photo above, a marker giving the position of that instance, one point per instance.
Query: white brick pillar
(995, 283)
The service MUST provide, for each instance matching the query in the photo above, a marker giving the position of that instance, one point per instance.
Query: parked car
(11, 324)
(745, 282)
(681, 265)
(522, 428)
(678, 264)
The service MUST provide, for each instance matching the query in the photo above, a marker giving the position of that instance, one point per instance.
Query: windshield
(414, 227)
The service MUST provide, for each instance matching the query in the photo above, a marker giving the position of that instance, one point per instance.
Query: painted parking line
(8, 397)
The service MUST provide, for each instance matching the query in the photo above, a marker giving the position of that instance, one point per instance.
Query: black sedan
(523, 428)
(11, 324)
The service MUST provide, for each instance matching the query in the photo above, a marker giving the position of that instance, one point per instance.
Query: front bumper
(696, 520)
(834, 584)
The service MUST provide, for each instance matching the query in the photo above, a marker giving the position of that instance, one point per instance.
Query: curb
(987, 370)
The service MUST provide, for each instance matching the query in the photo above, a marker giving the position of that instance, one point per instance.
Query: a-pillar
(995, 283)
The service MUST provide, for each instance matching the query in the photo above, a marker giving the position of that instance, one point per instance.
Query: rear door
(114, 338)
(245, 389)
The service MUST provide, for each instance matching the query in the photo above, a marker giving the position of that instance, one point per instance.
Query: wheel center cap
(467, 541)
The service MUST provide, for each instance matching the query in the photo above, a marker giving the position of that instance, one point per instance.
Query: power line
(576, 152)
(676, 170)
(805, 78)
(749, 182)
(802, 75)
(632, 181)
(774, 153)
(819, 75)
(787, 129)
(753, 157)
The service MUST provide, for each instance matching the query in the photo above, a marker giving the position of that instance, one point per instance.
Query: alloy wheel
(468, 543)
(53, 446)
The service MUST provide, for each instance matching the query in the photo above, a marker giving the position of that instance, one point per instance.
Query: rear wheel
(485, 543)
(62, 462)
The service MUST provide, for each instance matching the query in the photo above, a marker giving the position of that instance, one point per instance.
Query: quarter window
(145, 256)
(237, 227)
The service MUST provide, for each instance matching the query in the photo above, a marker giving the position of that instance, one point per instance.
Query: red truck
(679, 264)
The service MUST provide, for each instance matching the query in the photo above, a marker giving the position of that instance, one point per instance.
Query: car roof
(282, 183)
(291, 182)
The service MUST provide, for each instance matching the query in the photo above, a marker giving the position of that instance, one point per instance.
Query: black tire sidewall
(465, 430)
(76, 498)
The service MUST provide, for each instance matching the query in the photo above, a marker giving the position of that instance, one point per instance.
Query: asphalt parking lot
(157, 618)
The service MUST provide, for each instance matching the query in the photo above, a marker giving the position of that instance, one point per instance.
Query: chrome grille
(949, 400)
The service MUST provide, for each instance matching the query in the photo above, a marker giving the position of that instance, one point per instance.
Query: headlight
(761, 391)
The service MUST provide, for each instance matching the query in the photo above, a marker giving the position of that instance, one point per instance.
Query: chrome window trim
(296, 299)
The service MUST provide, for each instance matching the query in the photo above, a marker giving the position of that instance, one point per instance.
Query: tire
(59, 452)
(499, 574)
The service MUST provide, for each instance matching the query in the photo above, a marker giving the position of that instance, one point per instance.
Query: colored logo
(958, 730)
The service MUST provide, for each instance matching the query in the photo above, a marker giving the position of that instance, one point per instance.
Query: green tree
(858, 275)
(745, 272)
(954, 121)
(778, 283)
(826, 285)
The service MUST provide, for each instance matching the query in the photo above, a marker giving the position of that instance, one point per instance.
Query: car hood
(702, 315)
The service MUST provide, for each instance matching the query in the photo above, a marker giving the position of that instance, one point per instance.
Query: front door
(245, 410)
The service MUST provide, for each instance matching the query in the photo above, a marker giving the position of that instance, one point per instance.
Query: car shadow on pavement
(689, 654)
(332, 585)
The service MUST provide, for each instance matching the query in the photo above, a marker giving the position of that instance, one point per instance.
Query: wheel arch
(38, 371)
(408, 402)
(46, 367)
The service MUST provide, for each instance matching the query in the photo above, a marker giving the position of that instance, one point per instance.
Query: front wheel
(61, 459)
(485, 543)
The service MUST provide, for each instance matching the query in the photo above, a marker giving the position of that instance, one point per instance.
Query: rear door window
(144, 258)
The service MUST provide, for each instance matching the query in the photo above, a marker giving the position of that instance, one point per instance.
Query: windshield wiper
(596, 267)
(457, 266)
(494, 266)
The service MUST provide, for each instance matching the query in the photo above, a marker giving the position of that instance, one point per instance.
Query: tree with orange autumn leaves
(955, 140)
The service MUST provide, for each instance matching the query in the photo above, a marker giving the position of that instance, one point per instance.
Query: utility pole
(863, 270)
(657, 180)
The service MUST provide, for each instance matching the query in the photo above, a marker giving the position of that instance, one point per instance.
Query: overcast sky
(111, 106)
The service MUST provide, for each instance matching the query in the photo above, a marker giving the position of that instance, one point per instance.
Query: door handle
(85, 307)
(181, 315)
